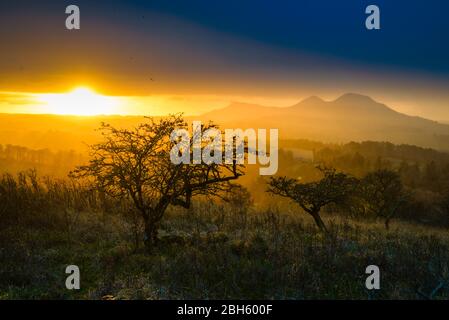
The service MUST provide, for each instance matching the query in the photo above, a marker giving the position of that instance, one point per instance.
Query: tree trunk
(319, 222)
(150, 235)
(391, 215)
(136, 238)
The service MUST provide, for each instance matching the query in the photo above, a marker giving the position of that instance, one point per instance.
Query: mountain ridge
(349, 117)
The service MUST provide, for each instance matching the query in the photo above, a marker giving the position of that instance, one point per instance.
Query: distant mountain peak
(312, 99)
(350, 117)
(354, 98)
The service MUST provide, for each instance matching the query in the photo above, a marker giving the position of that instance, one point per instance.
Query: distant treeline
(418, 167)
(14, 159)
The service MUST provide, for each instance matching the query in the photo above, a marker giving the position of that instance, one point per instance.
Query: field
(221, 251)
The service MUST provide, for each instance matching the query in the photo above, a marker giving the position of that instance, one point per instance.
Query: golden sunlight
(82, 101)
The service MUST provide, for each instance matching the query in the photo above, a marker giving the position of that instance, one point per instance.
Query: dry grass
(213, 251)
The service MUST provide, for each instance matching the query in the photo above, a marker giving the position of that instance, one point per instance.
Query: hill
(351, 117)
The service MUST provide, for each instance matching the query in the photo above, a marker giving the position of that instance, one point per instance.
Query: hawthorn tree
(383, 193)
(335, 187)
(136, 164)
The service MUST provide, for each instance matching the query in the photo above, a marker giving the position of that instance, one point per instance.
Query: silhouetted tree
(333, 188)
(383, 193)
(136, 164)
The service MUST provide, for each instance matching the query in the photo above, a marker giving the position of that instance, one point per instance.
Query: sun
(81, 101)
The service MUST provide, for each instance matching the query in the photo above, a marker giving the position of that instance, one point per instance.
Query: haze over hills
(56, 132)
(351, 117)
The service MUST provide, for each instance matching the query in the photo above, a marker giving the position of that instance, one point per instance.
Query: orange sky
(163, 64)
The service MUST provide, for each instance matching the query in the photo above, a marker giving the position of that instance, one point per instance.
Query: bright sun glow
(81, 101)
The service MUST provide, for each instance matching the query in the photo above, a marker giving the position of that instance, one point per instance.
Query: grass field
(224, 252)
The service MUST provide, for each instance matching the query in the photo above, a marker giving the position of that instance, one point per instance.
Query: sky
(159, 56)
